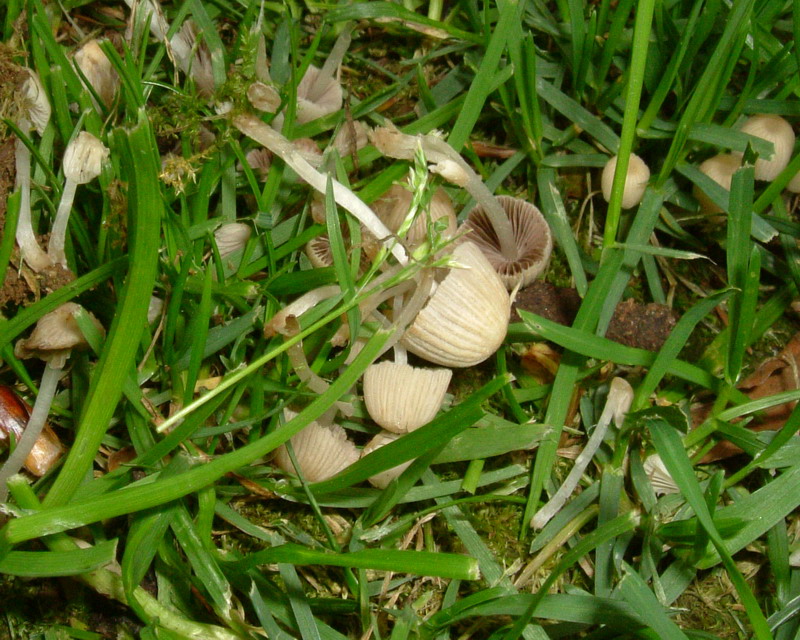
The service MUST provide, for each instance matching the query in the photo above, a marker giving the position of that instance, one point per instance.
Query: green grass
(199, 534)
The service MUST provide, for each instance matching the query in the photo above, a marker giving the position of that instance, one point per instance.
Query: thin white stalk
(265, 135)
(29, 247)
(58, 234)
(36, 422)
(619, 400)
(400, 353)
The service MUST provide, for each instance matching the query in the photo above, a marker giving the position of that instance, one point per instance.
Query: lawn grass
(198, 533)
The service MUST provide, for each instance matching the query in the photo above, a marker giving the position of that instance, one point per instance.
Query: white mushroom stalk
(265, 135)
(35, 113)
(83, 162)
(449, 164)
(620, 396)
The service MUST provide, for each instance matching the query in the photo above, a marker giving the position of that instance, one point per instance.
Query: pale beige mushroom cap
(321, 451)
(794, 183)
(466, 318)
(635, 181)
(352, 137)
(532, 237)
(720, 168)
(401, 398)
(659, 476)
(35, 105)
(779, 132)
(98, 70)
(381, 480)
(84, 157)
(317, 97)
(264, 97)
(232, 237)
(55, 335)
(393, 206)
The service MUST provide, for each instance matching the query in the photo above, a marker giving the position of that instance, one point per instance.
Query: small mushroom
(402, 398)
(264, 97)
(635, 180)
(532, 237)
(776, 130)
(98, 71)
(321, 451)
(394, 205)
(720, 168)
(52, 340)
(466, 318)
(83, 162)
(193, 57)
(351, 138)
(14, 416)
(381, 480)
(232, 237)
(659, 476)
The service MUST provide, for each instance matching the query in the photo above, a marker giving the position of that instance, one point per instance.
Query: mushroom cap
(83, 158)
(381, 480)
(401, 398)
(351, 137)
(14, 416)
(720, 168)
(98, 71)
(466, 318)
(779, 132)
(231, 237)
(194, 57)
(659, 476)
(55, 335)
(35, 105)
(532, 236)
(635, 181)
(317, 96)
(393, 206)
(264, 97)
(321, 451)
(260, 160)
(794, 183)
(319, 252)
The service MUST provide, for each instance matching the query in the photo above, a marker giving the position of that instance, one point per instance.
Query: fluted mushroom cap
(231, 237)
(317, 97)
(401, 398)
(779, 132)
(393, 206)
(720, 168)
(321, 451)
(54, 336)
(98, 70)
(381, 480)
(466, 318)
(532, 237)
(351, 138)
(84, 157)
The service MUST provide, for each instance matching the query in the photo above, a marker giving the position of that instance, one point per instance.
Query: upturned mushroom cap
(381, 480)
(392, 208)
(776, 130)
(532, 237)
(54, 336)
(231, 237)
(466, 318)
(83, 158)
(635, 181)
(98, 71)
(720, 168)
(321, 451)
(317, 96)
(401, 398)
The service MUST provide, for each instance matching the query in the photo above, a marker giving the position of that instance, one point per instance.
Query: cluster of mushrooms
(720, 168)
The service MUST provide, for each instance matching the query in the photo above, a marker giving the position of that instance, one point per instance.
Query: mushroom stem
(55, 248)
(400, 353)
(265, 135)
(29, 247)
(619, 400)
(36, 422)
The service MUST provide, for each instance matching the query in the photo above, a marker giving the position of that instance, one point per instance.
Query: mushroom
(393, 208)
(381, 480)
(321, 451)
(14, 416)
(660, 478)
(620, 396)
(402, 398)
(34, 114)
(260, 160)
(264, 97)
(720, 168)
(98, 72)
(193, 57)
(452, 167)
(351, 138)
(232, 237)
(83, 162)
(466, 318)
(779, 132)
(52, 340)
(635, 180)
(531, 234)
